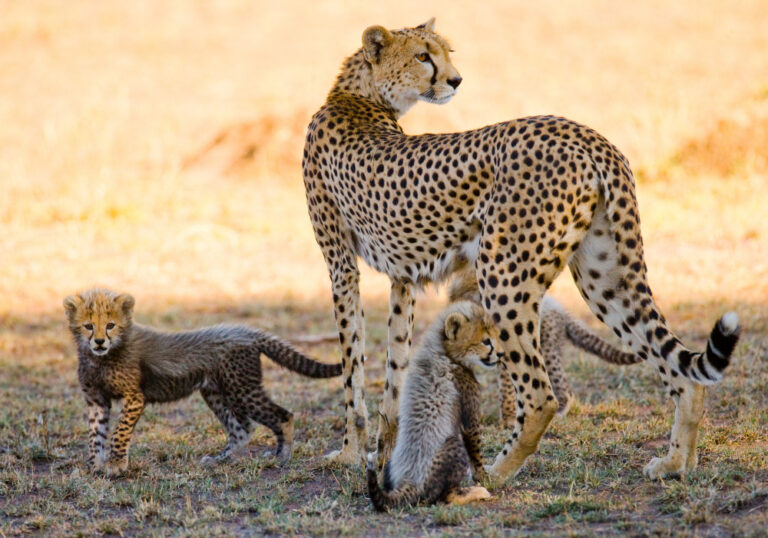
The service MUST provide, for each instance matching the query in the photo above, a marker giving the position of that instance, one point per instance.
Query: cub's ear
(71, 302)
(453, 324)
(126, 303)
(429, 26)
(375, 38)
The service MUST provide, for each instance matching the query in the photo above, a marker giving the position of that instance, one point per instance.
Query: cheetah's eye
(422, 57)
(88, 326)
(110, 326)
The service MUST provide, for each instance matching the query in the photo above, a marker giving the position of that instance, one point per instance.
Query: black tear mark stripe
(434, 69)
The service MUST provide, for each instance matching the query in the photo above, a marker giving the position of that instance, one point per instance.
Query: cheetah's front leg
(348, 310)
(400, 334)
(98, 425)
(133, 406)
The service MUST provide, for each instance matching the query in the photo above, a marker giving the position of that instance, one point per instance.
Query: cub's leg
(400, 334)
(238, 433)
(277, 419)
(469, 398)
(133, 406)
(448, 470)
(98, 425)
(553, 337)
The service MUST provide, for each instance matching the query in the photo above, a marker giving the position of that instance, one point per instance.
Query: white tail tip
(730, 322)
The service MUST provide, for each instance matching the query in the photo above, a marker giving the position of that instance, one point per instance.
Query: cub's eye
(110, 326)
(422, 57)
(88, 326)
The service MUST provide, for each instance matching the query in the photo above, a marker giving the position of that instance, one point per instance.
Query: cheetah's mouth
(101, 350)
(429, 97)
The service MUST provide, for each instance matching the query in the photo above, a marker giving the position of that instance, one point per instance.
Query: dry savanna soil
(154, 148)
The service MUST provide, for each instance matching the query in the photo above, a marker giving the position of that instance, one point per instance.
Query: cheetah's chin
(436, 100)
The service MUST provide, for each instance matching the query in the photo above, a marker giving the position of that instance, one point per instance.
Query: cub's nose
(454, 82)
(99, 341)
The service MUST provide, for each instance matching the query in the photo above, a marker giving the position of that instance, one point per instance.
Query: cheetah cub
(118, 359)
(438, 437)
(556, 326)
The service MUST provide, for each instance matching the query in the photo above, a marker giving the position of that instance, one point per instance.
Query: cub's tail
(289, 357)
(384, 500)
(582, 337)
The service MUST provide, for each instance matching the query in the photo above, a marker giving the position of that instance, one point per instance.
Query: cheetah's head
(471, 337)
(99, 319)
(410, 65)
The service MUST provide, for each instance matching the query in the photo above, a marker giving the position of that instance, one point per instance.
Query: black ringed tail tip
(722, 342)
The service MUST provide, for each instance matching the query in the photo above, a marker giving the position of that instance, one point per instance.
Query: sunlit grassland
(155, 148)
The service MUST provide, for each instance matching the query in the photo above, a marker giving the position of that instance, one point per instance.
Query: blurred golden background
(155, 147)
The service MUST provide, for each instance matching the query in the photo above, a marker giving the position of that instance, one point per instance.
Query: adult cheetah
(520, 199)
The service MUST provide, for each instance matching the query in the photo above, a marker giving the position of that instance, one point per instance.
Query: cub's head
(470, 336)
(99, 319)
(410, 64)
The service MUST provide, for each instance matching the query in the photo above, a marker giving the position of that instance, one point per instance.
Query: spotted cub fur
(438, 437)
(556, 326)
(119, 359)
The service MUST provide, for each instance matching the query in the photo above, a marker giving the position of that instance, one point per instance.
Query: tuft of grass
(173, 172)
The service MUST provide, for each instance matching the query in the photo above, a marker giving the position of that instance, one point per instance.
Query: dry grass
(154, 147)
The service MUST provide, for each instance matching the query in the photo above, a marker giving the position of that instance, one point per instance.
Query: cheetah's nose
(99, 341)
(454, 82)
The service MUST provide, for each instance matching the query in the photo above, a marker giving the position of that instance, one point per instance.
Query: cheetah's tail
(289, 357)
(709, 365)
(645, 327)
(582, 337)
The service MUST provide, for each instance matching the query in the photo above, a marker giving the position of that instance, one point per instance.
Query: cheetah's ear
(126, 303)
(71, 302)
(429, 26)
(453, 324)
(375, 38)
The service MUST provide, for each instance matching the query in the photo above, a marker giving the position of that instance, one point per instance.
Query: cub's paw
(660, 468)
(468, 495)
(565, 406)
(284, 455)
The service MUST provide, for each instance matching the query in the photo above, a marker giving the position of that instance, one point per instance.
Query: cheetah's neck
(355, 78)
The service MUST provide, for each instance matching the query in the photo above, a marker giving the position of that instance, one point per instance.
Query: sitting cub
(119, 359)
(438, 435)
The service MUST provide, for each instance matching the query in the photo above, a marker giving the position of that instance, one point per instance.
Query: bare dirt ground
(154, 147)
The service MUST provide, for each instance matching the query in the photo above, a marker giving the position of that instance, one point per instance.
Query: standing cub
(438, 435)
(118, 359)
